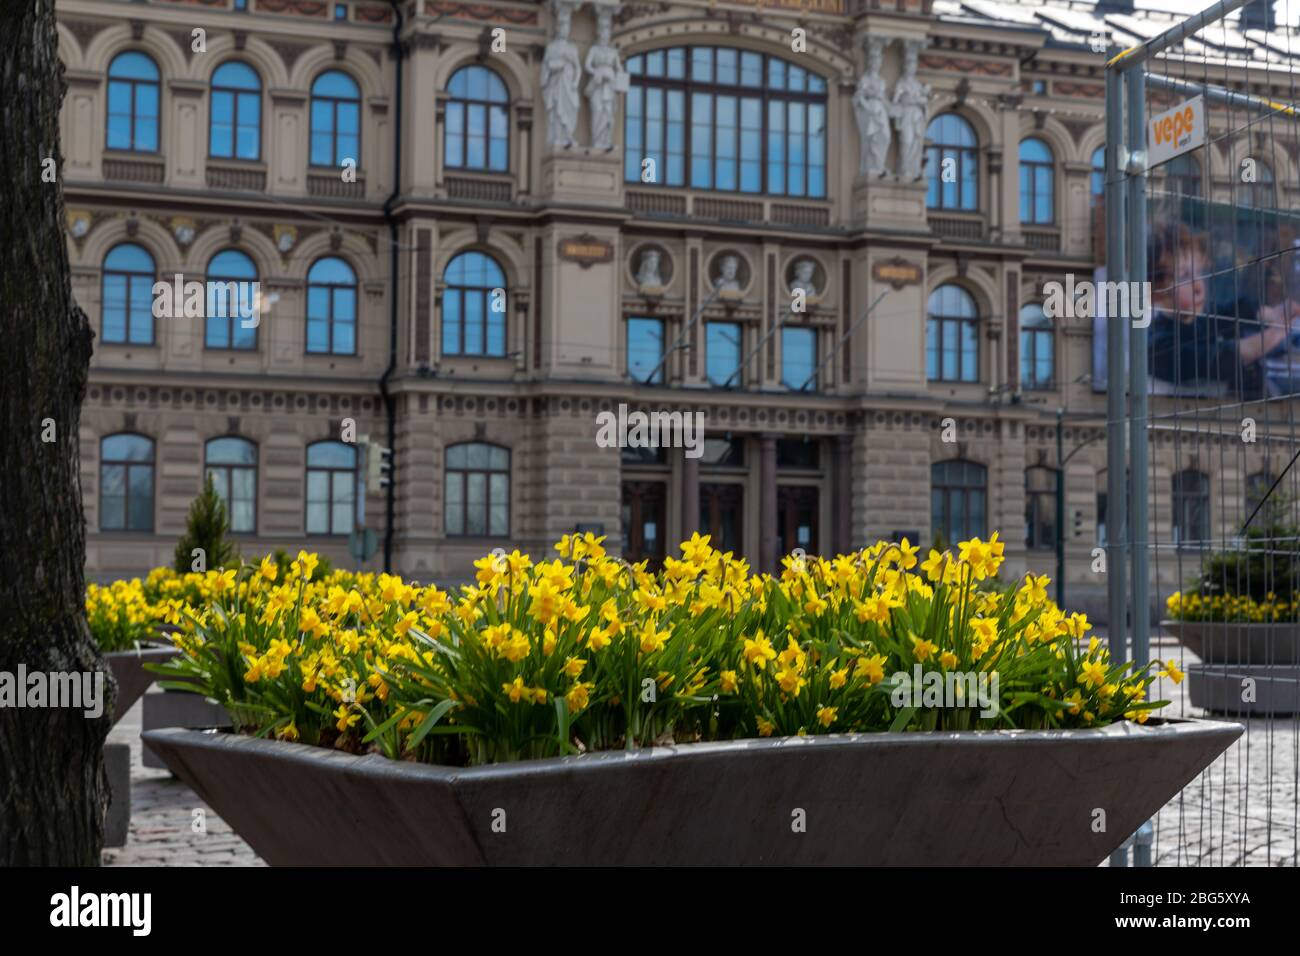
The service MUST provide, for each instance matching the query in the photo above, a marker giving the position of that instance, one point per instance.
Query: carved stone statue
(872, 110)
(606, 78)
(727, 279)
(647, 273)
(805, 272)
(561, 72)
(911, 102)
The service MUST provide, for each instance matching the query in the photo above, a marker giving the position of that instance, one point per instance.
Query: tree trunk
(53, 787)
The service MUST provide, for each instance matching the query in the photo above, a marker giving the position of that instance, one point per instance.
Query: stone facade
(567, 231)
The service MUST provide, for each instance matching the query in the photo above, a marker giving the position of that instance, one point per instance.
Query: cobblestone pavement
(1241, 811)
(163, 820)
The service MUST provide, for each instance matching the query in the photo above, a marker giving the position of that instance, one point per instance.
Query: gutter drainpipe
(390, 401)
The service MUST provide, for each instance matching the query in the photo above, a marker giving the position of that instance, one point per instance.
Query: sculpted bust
(805, 272)
(727, 280)
(647, 273)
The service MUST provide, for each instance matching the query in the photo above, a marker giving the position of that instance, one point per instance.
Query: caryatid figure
(911, 103)
(605, 79)
(561, 72)
(872, 110)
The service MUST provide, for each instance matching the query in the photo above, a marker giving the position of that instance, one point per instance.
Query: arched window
(335, 120)
(1191, 506)
(952, 164)
(474, 306)
(1262, 193)
(232, 302)
(126, 483)
(235, 130)
(331, 487)
(1037, 182)
(1183, 176)
(133, 103)
(127, 292)
(477, 486)
(958, 500)
(1037, 348)
(232, 463)
(477, 134)
(952, 336)
(331, 307)
(725, 119)
(1098, 180)
(1040, 507)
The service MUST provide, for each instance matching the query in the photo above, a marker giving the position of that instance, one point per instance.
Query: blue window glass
(235, 128)
(1037, 353)
(707, 116)
(645, 350)
(477, 126)
(1037, 192)
(133, 92)
(335, 120)
(722, 353)
(340, 11)
(232, 302)
(952, 336)
(127, 291)
(331, 488)
(232, 464)
(474, 306)
(126, 483)
(331, 307)
(1098, 172)
(799, 359)
(952, 164)
(958, 501)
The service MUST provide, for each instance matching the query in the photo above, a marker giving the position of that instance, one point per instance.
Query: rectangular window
(645, 350)
(799, 359)
(722, 354)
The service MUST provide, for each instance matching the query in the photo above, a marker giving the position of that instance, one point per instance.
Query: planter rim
(1125, 730)
(143, 649)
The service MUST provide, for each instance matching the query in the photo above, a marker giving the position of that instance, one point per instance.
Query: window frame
(947, 488)
(957, 322)
(464, 473)
(331, 471)
(1030, 341)
(330, 321)
(334, 102)
(133, 85)
(1038, 170)
(767, 96)
(235, 92)
(128, 465)
(459, 292)
(209, 279)
(104, 272)
(657, 377)
(1183, 499)
(465, 102)
(968, 159)
(1033, 540)
(723, 327)
(230, 470)
(812, 383)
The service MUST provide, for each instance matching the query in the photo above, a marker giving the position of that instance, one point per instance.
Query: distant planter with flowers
(1241, 617)
(870, 708)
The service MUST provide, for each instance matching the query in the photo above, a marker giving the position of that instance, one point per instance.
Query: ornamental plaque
(586, 250)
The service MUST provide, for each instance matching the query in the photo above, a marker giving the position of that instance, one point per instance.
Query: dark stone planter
(973, 798)
(1216, 642)
(132, 679)
(177, 708)
(1268, 654)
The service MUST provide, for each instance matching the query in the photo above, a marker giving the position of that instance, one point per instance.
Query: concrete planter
(1217, 642)
(131, 676)
(972, 798)
(176, 708)
(1264, 658)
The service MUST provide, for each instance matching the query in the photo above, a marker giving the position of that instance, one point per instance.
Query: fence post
(1137, 275)
(1116, 489)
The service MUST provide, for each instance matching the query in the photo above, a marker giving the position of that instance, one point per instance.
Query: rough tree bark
(53, 787)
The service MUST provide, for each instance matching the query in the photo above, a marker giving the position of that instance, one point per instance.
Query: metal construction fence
(1203, 350)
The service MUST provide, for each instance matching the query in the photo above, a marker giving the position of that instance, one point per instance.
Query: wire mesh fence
(1203, 392)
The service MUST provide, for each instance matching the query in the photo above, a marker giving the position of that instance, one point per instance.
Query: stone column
(767, 535)
(690, 496)
(843, 493)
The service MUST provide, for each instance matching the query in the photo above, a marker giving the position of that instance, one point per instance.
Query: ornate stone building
(443, 252)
